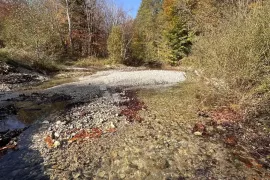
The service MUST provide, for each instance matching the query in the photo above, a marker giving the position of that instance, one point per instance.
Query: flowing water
(24, 162)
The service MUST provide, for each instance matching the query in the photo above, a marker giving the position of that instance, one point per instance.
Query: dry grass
(184, 101)
(237, 51)
(234, 58)
(93, 62)
(28, 60)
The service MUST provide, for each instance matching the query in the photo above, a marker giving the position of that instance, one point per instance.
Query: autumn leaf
(231, 140)
(111, 130)
(96, 133)
(49, 141)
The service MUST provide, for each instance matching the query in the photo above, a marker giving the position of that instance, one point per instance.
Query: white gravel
(135, 78)
(90, 86)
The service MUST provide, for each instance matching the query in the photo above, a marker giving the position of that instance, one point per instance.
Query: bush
(237, 51)
(234, 57)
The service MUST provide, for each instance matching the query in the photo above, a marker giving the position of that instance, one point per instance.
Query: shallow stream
(22, 162)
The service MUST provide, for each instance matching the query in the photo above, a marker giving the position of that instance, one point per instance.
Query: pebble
(101, 174)
(112, 125)
(56, 134)
(122, 176)
(221, 128)
(76, 175)
(56, 144)
(197, 133)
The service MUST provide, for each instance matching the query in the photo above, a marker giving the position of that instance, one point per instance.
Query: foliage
(21, 58)
(237, 51)
(147, 32)
(234, 56)
(178, 36)
(63, 29)
(32, 28)
(179, 40)
(161, 32)
(92, 62)
(116, 45)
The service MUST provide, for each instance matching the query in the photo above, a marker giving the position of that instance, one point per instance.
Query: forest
(213, 123)
(225, 40)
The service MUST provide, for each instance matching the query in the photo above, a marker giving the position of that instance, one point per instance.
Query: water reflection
(11, 123)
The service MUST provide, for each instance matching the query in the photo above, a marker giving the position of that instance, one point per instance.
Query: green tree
(180, 42)
(145, 46)
(178, 36)
(116, 45)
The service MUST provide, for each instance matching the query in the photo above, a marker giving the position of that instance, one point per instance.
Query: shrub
(237, 51)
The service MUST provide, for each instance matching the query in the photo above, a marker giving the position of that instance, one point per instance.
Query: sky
(131, 6)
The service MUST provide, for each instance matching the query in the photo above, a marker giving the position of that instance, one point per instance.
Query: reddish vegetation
(232, 135)
(248, 161)
(231, 140)
(6, 8)
(225, 115)
(96, 133)
(81, 135)
(133, 106)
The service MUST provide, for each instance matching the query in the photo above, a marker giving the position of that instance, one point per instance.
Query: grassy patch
(93, 62)
(46, 67)
(174, 103)
(20, 58)
(186, 100)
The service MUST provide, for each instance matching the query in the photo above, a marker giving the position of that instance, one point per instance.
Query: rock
(122, 176)
(113, 154)
(75, 175)
(15, 172)
(45, 122)
(58, 122)
(67, 118)
(197, 133)
(221, 128)
(103, 88)
(101, 174)
(56, 144)
(210, 128)
(112, 125)
(56, 134)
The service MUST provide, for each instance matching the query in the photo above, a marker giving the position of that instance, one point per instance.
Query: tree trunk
(69, 28)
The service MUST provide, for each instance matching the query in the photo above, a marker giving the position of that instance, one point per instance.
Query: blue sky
(131, 6)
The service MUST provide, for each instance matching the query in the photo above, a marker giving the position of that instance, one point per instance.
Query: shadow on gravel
(24, 163)
(27, 163)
